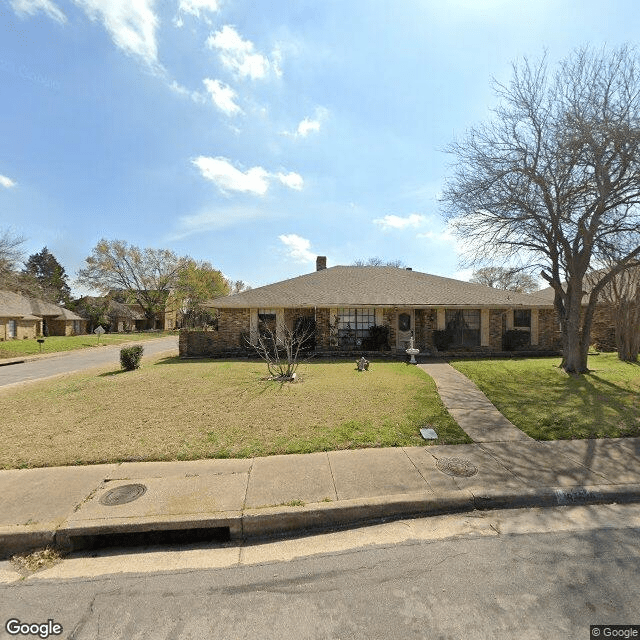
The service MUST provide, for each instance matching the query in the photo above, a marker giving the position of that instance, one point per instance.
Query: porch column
(441, 321)
(484, 327)
(253, 326)
(509, 319)
(535, 330)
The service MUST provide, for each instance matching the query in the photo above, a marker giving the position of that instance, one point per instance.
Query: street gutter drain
(123, 494)
(457, 467)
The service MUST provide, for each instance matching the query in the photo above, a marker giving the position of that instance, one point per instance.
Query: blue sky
(257, 135)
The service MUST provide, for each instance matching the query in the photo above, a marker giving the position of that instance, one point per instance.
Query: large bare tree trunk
(628, 330)
(576, 330)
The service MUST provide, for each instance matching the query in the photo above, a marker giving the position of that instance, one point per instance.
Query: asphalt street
(71, 361)
(510, 582)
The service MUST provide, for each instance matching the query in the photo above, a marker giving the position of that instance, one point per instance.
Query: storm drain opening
(168, 537)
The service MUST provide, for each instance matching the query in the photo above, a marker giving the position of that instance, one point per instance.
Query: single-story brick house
(111, 315)
(22, 317)
(344, 302)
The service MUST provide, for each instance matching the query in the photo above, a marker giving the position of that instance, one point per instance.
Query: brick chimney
(321, 263)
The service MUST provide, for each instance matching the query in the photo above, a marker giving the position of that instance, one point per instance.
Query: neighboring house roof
(114, 308)
(15, 305)
(68, 315)
(373, 286)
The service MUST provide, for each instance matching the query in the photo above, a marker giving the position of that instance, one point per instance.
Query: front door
(404, 328)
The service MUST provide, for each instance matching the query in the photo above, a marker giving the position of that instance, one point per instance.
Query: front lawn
(548, 404)
(54, 344)
(181, 410)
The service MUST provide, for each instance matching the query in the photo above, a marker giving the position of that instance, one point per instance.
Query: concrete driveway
(70, 361)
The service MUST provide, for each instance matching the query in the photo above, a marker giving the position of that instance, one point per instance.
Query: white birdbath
(412, 351)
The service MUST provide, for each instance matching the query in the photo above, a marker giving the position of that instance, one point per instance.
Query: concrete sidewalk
(268, 496)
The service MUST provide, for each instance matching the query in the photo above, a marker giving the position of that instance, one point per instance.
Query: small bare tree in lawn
(284, 350)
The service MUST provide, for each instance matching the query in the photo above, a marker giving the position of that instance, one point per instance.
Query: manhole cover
(123, 494)
(457, 467)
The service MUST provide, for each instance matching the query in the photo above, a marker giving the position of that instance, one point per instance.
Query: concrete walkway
(469, 407)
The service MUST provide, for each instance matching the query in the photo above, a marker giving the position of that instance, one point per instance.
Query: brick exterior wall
(549, 336)
(233, 327)
(25, 329)
(228, 339)
(65, 327)
(603, 329)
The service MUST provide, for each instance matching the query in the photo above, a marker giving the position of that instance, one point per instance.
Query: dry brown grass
(174, 409)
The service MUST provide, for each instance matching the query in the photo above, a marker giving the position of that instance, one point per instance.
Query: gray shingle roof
(15, 305)
(373, 286)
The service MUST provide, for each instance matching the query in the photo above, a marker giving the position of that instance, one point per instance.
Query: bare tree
(282, 350)
(144, 276)
(553, 180)
(379, 262)
(10, 255)
(622, 295)
(238, 286)
(506, 279)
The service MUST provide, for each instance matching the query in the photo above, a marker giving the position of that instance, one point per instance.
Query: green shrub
(514, 339)
(442, 339)
(378, 339)
(130, 357)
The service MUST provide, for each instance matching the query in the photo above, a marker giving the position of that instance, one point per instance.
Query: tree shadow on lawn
(108, 374)
(607, 408)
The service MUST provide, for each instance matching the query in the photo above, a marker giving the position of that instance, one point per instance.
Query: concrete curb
(285, 520)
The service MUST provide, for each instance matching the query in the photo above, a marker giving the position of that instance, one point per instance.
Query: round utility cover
(457, 467)
(123, 494)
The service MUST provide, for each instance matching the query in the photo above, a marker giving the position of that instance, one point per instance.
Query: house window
(353, 326)
(266, 315)
(522, 319)
(11, 329)
(464, 327)
(267, 323)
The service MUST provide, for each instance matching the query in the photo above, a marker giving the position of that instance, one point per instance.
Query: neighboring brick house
(165, 319)
(345, 302)
(111, 315)
(22, 317)
(603, 327)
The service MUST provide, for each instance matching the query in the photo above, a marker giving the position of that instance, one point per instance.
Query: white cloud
(308, 125)
(255, 180)
(223, 96)
(238, 55)
(25, 8)
(214, 220)
(398, 222)
(291, 180)
(132, 25)
(7, 183)
(228, 178)
(196, 96)
(194, 8)
(298, 248)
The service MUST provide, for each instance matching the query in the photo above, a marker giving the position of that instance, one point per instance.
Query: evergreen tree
(50, 275)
